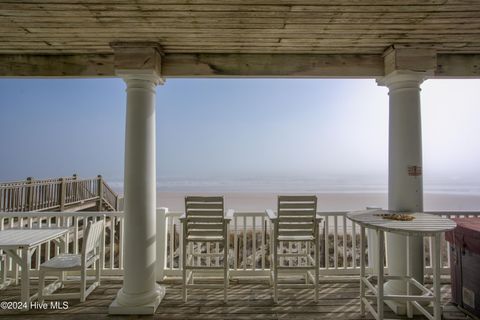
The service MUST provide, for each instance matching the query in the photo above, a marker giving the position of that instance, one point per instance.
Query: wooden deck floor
(248, 299)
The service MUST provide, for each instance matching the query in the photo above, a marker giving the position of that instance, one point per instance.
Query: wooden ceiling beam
(231, 65)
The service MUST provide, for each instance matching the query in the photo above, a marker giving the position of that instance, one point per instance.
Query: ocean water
(334, 194)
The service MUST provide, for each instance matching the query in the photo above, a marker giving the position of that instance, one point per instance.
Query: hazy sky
(231, 129)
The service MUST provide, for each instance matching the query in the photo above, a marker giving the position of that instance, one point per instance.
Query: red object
(465, 263)
(414, 171)
(466, 234)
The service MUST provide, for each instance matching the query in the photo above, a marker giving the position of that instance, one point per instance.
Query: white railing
(249, 246)
(112, 244)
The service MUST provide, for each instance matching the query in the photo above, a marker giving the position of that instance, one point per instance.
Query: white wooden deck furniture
(3, 271)
(204, 222)
(296, 222)
(91, 254)
(27, 241)
(424, 225)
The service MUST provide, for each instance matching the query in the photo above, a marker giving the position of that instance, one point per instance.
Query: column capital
(409, 58)
(403, 79)
(129, 75)
(407, 67)
(138, 61)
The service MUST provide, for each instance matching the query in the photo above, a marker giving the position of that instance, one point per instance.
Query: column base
(400, 308)
(392, 287)
(141, 309)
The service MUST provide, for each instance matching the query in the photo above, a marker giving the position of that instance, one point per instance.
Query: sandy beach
(259, 201)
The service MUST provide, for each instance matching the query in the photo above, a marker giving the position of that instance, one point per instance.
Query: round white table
(424, 225)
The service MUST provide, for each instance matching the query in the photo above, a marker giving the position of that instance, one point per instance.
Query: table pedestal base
(412, 301)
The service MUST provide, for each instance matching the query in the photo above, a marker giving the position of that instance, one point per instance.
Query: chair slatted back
(92, 236)
(296, 215)
(204, 216)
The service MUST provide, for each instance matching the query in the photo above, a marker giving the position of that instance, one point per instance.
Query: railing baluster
(14, 202)
(19, 199)
(448, 249)
(75, 234)
(199, 250)
(335, 242)
(354, 245)
(180, 246)
(37, 194)
(235, 243)
(254, 244)
(308, 250)
(430, 264)
(19, 203)
(282, 259)
(290, 258)
(47, 251)
(326, 244)
(167, 242)
(172, 236)
(244, 258)
(442, 246)
(67, 237)
(112, 242)
(33, 203)
(298, 245)
(209, 260)
(121, 243)
(344, 221)
(12, 199)
(263, 251)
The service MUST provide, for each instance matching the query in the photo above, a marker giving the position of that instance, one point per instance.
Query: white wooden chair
(296, 222)
(5, 281)
(3, 270)
(91, 255)
(204, 222)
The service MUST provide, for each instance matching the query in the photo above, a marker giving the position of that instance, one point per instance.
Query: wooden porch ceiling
(238, 37)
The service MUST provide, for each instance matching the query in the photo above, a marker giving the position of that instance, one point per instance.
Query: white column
(140, 293)
(405, 183)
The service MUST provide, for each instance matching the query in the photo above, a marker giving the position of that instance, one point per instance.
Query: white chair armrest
(229, 215)
(271, 215)
(318, 218)
(182, 217)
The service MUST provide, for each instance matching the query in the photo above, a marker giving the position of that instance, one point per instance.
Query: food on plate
(396, 216)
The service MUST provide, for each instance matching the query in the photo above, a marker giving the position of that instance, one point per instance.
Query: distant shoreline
(327, 201)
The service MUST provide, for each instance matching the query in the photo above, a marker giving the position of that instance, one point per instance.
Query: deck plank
(248, 300)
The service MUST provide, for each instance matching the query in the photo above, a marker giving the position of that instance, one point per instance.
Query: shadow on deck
(249, 299)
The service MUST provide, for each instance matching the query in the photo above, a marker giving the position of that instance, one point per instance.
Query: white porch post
(140, 293)
(405, 70)
(405, 183)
